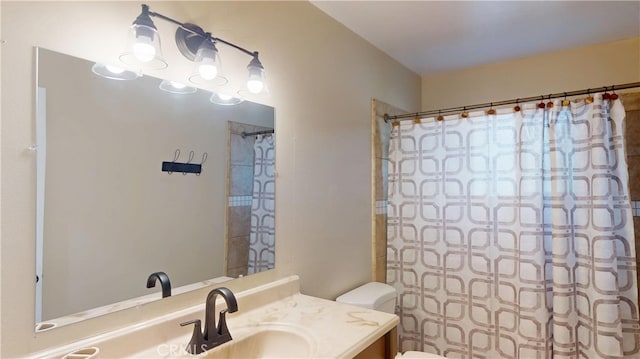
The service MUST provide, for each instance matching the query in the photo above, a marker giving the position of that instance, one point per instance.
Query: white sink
(273, 340)
(269, 341)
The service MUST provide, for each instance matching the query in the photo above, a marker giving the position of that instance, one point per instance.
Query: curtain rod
(445, 111)
(246, 134)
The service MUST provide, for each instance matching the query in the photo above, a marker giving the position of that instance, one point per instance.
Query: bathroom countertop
(338, 330)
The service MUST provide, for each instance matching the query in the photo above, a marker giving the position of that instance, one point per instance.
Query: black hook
(204, 159)
(176, 155)
(191, 155)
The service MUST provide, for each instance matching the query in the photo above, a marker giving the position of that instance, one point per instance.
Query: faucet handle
(197, 322)
(197, 343)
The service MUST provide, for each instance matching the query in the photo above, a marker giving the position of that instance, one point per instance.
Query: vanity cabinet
(386, 347)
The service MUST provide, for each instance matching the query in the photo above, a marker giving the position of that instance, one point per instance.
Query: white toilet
(382, 297)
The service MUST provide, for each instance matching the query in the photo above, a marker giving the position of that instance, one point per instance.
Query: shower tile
(381, 179)
(239, 201)
(238, 252)
(237, 272)
(632, 135)
(241, 150)
(381, 269)
(381, 235)
(241, 181)
(239, 222)
(381, 206)
(631, 101)
(633, 163)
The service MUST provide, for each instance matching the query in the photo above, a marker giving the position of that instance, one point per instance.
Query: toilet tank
(373, 295)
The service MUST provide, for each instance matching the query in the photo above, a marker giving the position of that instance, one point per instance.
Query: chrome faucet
(164, 282)
(213, 335)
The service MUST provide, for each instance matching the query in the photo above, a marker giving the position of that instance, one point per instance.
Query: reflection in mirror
(108, 215)
(251, 215)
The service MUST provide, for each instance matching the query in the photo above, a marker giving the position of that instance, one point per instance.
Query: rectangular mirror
(133, 180)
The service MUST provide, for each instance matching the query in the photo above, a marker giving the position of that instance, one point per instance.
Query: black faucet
(213, 335)
(164, 282)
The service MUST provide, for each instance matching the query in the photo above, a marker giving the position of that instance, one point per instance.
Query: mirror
(109, 213)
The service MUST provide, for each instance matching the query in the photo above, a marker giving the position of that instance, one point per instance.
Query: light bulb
(177, 85)
(255, 85)
(208, 71)
(224, 97)
(207, 60)
(114, 69)
(143, 49)
(255, 82)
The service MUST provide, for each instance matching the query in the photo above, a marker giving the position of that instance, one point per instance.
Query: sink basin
(270, 341)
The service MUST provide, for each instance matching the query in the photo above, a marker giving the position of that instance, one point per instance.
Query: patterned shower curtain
(262, 236)
(511, 235)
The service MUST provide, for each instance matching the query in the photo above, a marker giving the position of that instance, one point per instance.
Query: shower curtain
(511, 235)
(262, 236)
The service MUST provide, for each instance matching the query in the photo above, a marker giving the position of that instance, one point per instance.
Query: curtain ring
(614, 95)
(416, 120)
(491, 111)
(516, 108)
(589, 98)
(549, 103)
(440, 117)
(464, 113)
(565, 102)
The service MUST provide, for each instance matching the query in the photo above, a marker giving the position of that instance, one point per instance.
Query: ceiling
(439, 36)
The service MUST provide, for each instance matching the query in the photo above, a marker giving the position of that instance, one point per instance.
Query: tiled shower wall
(240, 192)
(380, 143)
(631, 103)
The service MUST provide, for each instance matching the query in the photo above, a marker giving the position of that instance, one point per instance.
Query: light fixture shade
(256, 83)
(176, 87)
(113, 72)
(143, 44)
(224, 99)
(207, 60)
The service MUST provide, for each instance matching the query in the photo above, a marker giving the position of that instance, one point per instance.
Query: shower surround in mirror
(511, 236)
(263, 224)
(251, 209)
(108, 216)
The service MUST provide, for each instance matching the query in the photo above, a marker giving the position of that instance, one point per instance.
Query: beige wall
(322, 78)
(575, 69)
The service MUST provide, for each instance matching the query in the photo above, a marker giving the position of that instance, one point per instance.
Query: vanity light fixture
(176, 87)
(114, 72)
(194, 43)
